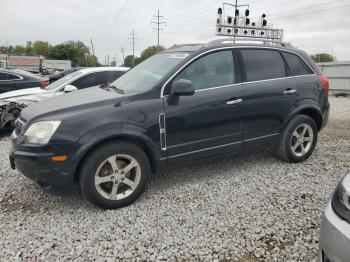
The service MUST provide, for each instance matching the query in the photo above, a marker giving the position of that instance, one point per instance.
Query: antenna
(158, 23)
(239, 25)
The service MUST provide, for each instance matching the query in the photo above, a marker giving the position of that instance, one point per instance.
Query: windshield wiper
(114, 88)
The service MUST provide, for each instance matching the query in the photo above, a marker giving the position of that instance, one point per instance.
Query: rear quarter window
(263, 64)
(13, 77)
(296, 66)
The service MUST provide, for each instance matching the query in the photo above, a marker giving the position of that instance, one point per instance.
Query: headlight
(40, 133)
(341, 198)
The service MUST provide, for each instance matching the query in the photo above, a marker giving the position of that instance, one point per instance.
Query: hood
(28, 99)
(22, 92)
(71, 104)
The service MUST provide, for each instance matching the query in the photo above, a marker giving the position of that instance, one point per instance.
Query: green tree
(40, 48)
(147, 53)
(20, 50)
(150, 51)
(322, 57)
(29, 48)
(3, 49)
(129, 60)
(91, 61)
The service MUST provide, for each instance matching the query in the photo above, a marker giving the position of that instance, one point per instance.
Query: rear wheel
(114, 175)
(298, 139)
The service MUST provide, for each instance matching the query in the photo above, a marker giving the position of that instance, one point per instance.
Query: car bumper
(325, 117)
(334, 237)
(36, 164)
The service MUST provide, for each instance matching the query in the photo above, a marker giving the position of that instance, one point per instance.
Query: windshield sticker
(178, 56)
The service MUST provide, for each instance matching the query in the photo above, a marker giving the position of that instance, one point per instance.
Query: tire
(103, 181)
(293, 146)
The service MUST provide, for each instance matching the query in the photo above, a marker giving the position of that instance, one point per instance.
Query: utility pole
(159, 22)
(93, 50)
(133, 42)
(123, 52)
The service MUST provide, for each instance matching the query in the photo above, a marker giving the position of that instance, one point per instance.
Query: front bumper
(35, 163)
(334, 237)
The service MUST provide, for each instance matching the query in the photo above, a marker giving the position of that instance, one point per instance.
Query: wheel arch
(311, 111)
(131, 138)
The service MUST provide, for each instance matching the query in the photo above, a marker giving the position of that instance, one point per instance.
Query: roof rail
(236, 40)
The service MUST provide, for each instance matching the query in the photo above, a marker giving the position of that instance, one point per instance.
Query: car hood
(22, 92)
(72, 104)
(28, 99)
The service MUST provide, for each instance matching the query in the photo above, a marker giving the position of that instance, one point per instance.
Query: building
(57, 64)
(33, 63)
(338, 74)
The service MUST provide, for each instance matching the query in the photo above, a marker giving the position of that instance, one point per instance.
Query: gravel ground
(245, 208)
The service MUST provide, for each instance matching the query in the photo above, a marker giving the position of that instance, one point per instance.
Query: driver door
(210, 121)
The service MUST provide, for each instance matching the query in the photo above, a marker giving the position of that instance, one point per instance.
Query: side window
(213, 70)
(13, 77)
(3, 76)
(263, 64)
(114, 75)
(295, 65)
(90, 80)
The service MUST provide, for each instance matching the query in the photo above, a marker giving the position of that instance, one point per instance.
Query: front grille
(20, 125)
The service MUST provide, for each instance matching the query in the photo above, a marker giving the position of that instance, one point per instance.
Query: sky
(312, 25)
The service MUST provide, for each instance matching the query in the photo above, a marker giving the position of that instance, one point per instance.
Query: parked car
(16, 79)
(56, 76)
(335, 228)
(12, 103)
(187, 103)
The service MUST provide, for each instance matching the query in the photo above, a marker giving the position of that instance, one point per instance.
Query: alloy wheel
(117, 177)
(302, 139)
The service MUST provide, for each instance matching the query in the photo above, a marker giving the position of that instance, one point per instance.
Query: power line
(159, 22)
(307, 7)
(314, 12)
(133, 42)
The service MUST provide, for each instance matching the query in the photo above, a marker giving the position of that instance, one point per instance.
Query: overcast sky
(312, 25)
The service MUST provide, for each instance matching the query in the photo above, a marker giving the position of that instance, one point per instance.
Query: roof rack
(236, 40)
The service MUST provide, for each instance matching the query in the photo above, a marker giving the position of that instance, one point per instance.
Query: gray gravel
(250, 207)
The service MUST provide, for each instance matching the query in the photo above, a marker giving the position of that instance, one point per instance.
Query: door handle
(234, 102)
(290, 91)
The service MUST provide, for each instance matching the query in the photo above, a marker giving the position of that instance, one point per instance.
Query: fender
(305, 104)
(114, 130)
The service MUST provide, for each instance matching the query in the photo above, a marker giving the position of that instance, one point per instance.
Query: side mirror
(182, 87)
(69, 88)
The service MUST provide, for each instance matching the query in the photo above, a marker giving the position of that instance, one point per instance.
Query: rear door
(210, 121)
(307, 80)
(269, 95)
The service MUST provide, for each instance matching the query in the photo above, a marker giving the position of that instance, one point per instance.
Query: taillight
(324, 82)
(44, 84)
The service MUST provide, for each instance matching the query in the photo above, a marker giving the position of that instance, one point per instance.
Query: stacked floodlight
(239, 25)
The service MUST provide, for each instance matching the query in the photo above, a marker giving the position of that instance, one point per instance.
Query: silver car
(335, 227)
(12, 103)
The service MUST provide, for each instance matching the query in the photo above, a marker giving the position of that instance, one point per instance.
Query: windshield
(144, 76)
(62, 81)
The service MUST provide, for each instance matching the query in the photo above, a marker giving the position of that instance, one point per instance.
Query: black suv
(186, 103)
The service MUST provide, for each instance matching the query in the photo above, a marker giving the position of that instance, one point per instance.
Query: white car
(12, 103)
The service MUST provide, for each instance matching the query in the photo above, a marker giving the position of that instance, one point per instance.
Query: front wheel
(114, 175)
(298, 139)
